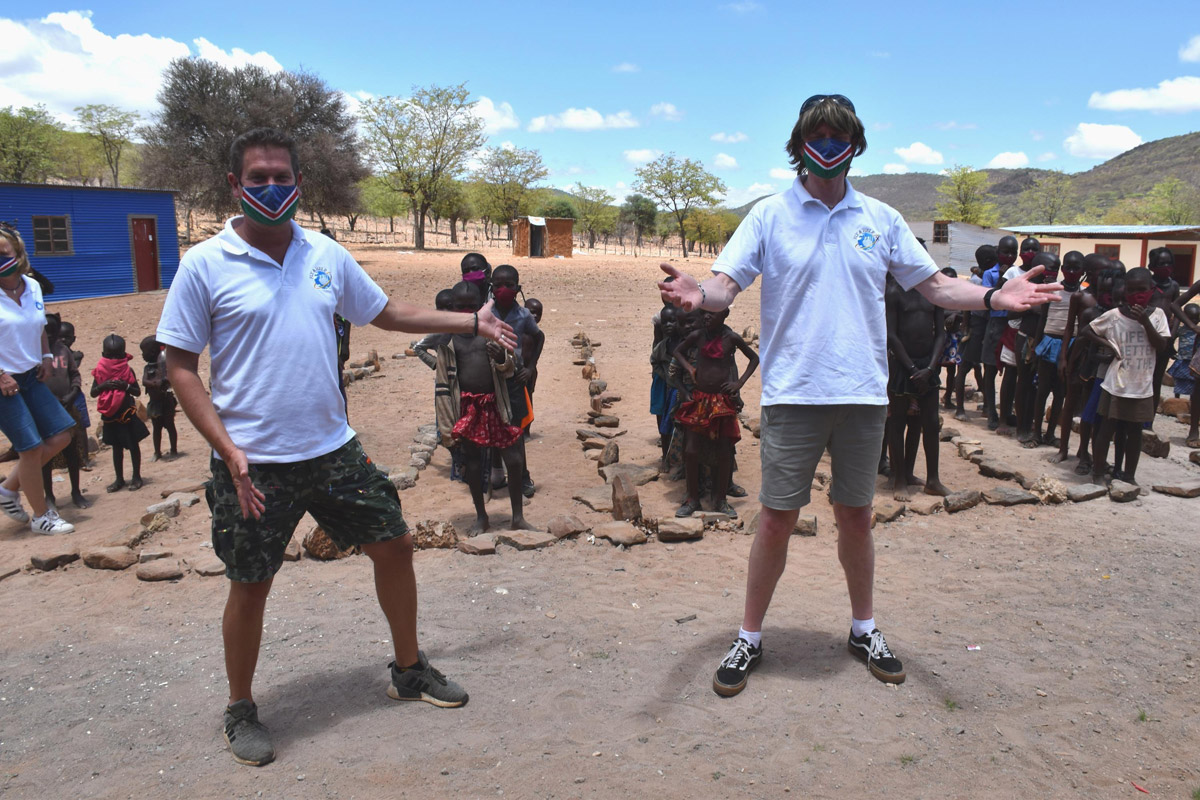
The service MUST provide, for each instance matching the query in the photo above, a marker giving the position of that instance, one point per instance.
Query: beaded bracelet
(703, 295)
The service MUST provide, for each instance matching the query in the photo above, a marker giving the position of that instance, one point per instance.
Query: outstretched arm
(1017, 294)
(408, 318)
(686, 292)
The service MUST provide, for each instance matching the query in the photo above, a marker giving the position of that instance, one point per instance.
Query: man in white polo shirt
(261, 296)
(824, 251)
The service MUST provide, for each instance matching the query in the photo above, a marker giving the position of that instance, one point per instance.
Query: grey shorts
(991, 339)
(793, 439)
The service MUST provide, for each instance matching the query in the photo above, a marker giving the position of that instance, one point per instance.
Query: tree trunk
(419, 227)
(591, 240)
(353, 220)
(510, 231)
(453, 230)
(682, 238)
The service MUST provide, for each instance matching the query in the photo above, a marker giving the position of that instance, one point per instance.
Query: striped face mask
(8, 267)
(272, 204)
(827, 158)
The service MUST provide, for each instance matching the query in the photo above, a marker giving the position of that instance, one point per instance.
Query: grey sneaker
(246, 736)
(12, 507)
(425, 683)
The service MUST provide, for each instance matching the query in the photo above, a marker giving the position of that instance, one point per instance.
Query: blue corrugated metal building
(93, 242)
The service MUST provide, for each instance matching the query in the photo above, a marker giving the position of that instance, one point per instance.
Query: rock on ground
(209, 566)
(318, 545)
(169, 508)
(109, 558)
(598, 498)
(625, 501)
(990, 468)
(159, 570)
(639, 475)
(292, 551)
(676, 529)
(619, 533)
(481, 545)
(526, 540)
(611, 454)
(146, 556)
(1008, 496)
(1082, 492)
(429, 534)
(1050, 491)
(1188, 488)
(55, 558)
(925, 504)
(1122, 492)
(888, 510)
(1154, 445)
(564, 525)
(961, 501)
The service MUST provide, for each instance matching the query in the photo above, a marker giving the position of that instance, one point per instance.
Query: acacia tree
(595, 211)
(557, 207)
(112, 129)
(506, 178)
(1173, 202)
(379, 200)
(1047, 200)
(205, 106)
(420, 143)
(454, 203)
(28, 137)
(640, 212)
(678, 185)
(967, 198)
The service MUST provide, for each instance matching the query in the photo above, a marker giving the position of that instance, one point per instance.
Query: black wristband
(476, 333)
(987, 299)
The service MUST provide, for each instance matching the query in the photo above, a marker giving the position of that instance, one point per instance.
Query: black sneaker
(425, 683)
(735, 668)
(873, 650)
(246, 736)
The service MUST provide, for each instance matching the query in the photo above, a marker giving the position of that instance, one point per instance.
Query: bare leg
(396, 588)
(768, 557)
(172, 434)
(156, 436)
(1047, 382)
(1133, 450)
(960, 392)
(118, 457)
(1104, 436)
(721, 475)
(135, 463)
(931, 442)
(473, 474)
(1161, 360)
(912, 441)
(1193, 436)
(74, 463)
(856, 551)
(895, 439)
(514, 462)
(989, 394)
(241, 627)
(27, 477)
(1008, 388)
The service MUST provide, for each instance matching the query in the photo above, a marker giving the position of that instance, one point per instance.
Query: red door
(145, 254)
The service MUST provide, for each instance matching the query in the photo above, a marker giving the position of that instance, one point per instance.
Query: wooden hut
(543, 237)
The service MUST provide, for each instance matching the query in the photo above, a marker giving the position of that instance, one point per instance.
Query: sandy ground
(583, 683)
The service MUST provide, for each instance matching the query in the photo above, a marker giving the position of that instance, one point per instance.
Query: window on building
(1053, 249)
(1109, 250)
(941, 233)
(51, 236)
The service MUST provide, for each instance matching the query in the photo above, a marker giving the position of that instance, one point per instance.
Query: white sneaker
(10, 504)
(51, 523)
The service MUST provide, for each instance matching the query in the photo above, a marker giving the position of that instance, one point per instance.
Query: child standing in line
(1136, 332)
(662, 395)
(63, 380)
(506, 285)
(529, 343)
(710, 416)
(67, 336)
(1185, 349)
(162, 403)
(115, 386)
(426, 350)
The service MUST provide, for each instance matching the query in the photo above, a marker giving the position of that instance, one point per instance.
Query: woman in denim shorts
(30, 415)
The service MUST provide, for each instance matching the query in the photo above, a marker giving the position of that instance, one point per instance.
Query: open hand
(495, 328)
(1019, 294)
(250, 498)
(683, 292)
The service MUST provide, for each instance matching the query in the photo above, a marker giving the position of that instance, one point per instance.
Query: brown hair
(14, 238)
(827, 112)
(261, 137)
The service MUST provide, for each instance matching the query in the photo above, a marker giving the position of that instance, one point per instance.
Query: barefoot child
(115, 385)
(1185, 351)
(663, 396)
(916, 337)
(710, 416)
(63, 380)
(1136, 332)
(162, 403)
(1161, 262)
(506, 285)
(528, 344)
(1071, 379)
(474, 412)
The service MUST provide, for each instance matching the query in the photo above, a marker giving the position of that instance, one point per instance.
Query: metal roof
(1103, 230)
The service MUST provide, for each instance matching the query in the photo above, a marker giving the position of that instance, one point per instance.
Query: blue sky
(599, 88)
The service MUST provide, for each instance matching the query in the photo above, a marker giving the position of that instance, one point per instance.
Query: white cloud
(781, 174)
(725, 161)
(952, 125)
(63, 61)
(729, 138)
(1178, 95)
(735, 197)
(1047, 157)
(1009, 160)
(855, 172)
(742, 6)
(1100, 141)
(626, 66)
(643, 156)
(354, 100)
(495, 118)
(582, 119)
(1191, 50)
(918, 153)
(895, 169)
(667, 111)
(509, 146)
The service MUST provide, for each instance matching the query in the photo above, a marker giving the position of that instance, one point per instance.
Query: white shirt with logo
(21, 326)
(269, 330)
(824, 331)
(1132, 373)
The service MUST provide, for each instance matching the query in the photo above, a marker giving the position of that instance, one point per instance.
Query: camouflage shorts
(348, 497)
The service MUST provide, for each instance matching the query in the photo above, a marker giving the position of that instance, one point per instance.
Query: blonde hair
(829, 112)
(14, 238)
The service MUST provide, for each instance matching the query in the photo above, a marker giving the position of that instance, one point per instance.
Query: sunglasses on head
(817, 99)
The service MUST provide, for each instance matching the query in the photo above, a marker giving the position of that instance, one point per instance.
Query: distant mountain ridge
(1132, 173)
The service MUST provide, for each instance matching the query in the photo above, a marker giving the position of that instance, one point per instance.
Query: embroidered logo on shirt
(320, 278)
(865, 239)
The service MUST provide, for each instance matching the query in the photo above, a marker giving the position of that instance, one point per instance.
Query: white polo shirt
(823, 338)
(270, 335)
(21, 328)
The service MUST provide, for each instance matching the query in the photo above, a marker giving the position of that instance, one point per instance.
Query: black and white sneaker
(735, 668)
(10, 504)
(50, 523)
(871, 649)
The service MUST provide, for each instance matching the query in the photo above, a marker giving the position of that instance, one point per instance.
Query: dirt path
(583, 682)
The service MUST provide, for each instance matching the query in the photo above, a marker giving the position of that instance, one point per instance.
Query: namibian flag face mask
(272, 204)
(8, 267)
(827, 158)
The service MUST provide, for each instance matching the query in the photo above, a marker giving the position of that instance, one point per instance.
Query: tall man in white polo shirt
(261, 296)
(824, 251)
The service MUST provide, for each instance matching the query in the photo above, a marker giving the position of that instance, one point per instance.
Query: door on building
(145, 253)
(537, 241)
(1185, 264)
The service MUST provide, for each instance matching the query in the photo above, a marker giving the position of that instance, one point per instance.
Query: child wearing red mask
(506, 285)
(1135, 332)
(115, 385)
(1161, 263)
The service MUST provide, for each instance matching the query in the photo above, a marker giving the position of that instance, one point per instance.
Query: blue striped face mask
(827, 158)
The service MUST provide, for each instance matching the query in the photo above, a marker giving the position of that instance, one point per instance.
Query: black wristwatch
(987, 299)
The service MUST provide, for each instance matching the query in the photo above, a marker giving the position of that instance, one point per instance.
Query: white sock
(9, 493)
(753, 637)
(861, 627)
